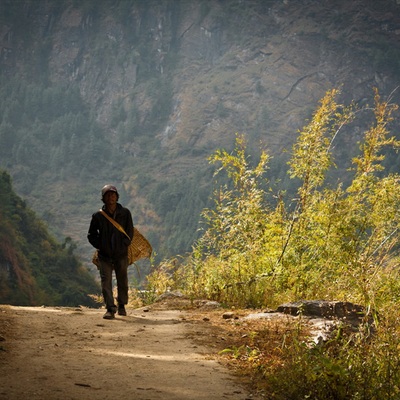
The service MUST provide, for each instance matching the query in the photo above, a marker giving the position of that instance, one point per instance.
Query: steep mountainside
(34, 268)
(140, 93)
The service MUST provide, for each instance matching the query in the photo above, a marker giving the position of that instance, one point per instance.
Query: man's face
(110, 198)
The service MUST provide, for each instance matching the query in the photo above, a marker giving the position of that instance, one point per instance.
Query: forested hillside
(140, 94)
(34, 268)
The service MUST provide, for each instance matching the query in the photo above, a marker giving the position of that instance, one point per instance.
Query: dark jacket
(111, 243)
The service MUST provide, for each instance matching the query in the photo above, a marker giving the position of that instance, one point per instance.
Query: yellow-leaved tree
(334, 243)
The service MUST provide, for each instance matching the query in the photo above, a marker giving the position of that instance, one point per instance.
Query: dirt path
(64, 353)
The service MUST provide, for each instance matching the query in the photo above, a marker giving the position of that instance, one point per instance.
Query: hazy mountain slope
(154, 87)
(34, 268)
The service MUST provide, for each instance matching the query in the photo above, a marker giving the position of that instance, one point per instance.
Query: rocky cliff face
(185, 76)
(234, 65)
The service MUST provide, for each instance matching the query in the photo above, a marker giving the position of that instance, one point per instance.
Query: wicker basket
(139, 247)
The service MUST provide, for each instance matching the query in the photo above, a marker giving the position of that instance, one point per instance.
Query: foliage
(355, 363)
(35, 269)
(50, 123)
(329, 242)
(176, 200)
(362, 364)
(166, 277)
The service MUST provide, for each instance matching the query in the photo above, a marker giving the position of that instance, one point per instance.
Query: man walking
(112, 246)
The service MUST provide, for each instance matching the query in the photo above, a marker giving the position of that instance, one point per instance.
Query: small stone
(211, 304)
(228, 315)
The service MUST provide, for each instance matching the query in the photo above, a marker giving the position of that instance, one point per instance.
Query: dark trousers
(121, 273)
